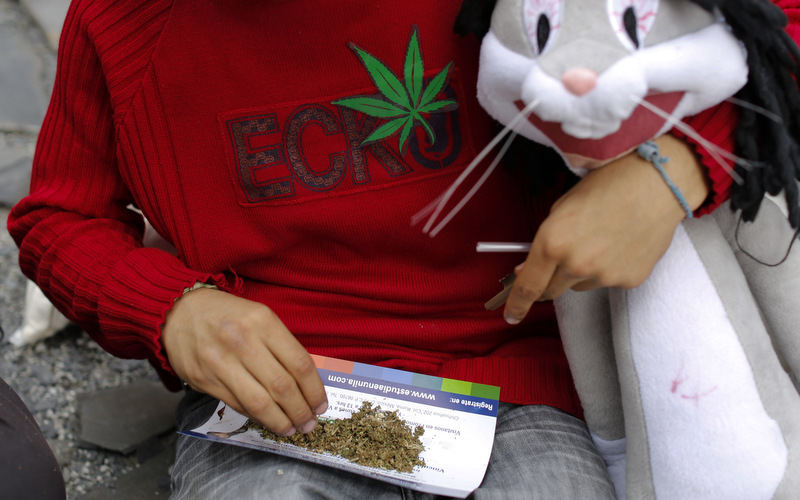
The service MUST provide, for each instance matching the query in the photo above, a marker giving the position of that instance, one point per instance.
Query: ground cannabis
(369, 437)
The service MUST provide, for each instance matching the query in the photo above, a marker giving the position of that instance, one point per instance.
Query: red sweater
(216, 120)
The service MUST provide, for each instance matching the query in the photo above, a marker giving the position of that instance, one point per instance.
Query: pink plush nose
(579, 81)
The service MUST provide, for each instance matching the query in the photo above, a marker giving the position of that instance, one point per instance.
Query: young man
(220, 122)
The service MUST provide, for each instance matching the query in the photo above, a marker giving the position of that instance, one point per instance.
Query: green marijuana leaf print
(402, 103)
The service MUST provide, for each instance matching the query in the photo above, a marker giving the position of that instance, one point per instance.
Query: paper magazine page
(458, 418)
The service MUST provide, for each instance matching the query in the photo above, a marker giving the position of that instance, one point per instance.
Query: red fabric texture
(718, 126)
(216, 121)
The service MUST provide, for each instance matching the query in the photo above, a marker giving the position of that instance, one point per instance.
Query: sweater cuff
(134, 302)
(716, 125)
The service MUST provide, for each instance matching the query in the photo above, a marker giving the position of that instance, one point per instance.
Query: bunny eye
(632, 20)
(542, 21)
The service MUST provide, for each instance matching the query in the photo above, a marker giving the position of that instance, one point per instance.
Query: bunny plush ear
(774, 62)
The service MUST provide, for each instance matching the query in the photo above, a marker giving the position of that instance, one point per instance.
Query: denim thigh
(538, 452)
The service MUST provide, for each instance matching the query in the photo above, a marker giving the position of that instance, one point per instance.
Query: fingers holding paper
(240, 352)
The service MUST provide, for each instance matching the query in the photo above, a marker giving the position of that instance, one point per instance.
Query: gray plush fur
(772, 274)
(741, 300)
(592, 357)
(762, 304)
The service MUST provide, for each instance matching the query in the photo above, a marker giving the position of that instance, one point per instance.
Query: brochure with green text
(458, 419)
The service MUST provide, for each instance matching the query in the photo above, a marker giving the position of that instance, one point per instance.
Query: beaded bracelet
(650, 152)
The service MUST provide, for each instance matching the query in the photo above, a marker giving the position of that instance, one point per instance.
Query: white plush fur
(707, 409)
(709, 434)
(708, 65)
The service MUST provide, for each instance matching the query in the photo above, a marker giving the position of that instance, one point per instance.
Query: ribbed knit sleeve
(78, 239)
(717, 128)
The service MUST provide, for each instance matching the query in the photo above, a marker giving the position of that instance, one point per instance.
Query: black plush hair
(475, 17)
(774, 62)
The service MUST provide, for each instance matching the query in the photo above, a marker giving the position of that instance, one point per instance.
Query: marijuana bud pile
(369, 437)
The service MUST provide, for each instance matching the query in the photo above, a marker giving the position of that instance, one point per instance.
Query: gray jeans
(539, 453)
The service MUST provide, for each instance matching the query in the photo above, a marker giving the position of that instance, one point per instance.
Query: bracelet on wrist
(197, 286)
(649, 151)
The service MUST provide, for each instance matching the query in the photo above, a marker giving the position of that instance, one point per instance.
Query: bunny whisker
(717, 153)
(477, 185)
(426, 211)
(445, 197)
(758, 109)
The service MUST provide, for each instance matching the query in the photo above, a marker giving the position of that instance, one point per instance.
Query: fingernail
(289, 432)
(309, 426)
(321, 408)
(511, 320)
(519, 267)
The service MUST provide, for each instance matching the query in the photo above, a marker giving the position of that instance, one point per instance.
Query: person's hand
(240, 352)
(609, 230)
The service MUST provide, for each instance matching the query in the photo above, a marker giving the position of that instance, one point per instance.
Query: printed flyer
(458, 418)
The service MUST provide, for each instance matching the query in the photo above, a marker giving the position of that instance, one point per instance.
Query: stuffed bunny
(690, 381)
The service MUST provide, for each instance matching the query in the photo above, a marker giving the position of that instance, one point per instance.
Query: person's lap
(539, 452)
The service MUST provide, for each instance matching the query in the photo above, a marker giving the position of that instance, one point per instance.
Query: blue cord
(650, 152)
